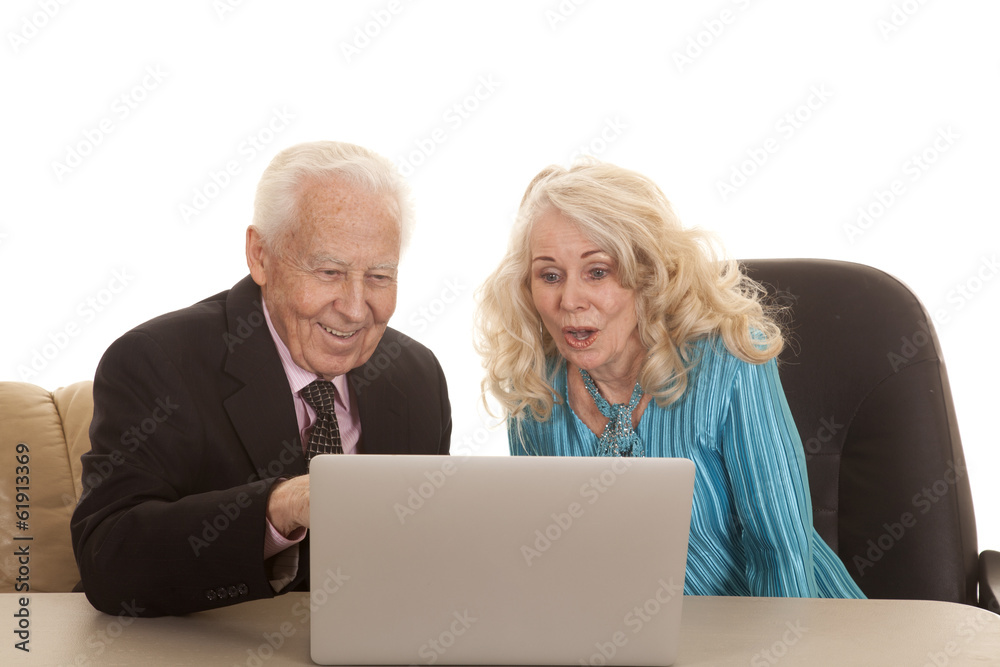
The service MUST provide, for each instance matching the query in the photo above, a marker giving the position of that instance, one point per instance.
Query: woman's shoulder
(555, 372)
(530, 435)
(711, 349)
(714, 367)
(710, 352)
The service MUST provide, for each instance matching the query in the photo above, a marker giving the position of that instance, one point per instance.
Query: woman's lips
(579, 338)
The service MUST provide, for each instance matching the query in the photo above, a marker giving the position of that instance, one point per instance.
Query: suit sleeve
(445, 445)
(167, 523)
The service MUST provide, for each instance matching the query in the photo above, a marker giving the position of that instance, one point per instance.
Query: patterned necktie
(325, 438)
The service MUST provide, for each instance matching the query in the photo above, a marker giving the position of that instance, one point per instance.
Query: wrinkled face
(575, 288)
(330, 294)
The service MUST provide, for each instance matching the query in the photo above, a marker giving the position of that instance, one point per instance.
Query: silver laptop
(497, 560)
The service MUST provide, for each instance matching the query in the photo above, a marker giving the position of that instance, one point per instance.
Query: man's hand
(288, 505)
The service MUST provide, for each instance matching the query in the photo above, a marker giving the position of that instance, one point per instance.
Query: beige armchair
(50, 429)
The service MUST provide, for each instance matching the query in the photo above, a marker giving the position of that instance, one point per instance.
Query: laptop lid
(484, 560)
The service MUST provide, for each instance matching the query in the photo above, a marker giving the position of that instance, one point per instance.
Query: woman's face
(575, 288)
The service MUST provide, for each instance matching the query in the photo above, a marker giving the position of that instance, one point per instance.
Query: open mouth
(344, 335)
(579, 337)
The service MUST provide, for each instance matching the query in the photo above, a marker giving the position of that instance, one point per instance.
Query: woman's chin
(587, 359)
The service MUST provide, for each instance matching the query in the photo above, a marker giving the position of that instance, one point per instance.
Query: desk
(66, 630)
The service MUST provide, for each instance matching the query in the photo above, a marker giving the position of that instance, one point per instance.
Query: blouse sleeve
(766, 468)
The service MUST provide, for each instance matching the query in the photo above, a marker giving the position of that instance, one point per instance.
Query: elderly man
(205, 419)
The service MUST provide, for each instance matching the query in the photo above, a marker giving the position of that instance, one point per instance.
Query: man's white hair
(276, 204)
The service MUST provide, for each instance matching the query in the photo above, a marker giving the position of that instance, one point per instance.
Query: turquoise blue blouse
(751, 520)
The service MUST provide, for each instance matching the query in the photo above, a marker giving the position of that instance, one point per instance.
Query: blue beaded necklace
(619, 438)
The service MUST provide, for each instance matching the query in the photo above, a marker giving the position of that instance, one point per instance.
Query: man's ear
(257, 256)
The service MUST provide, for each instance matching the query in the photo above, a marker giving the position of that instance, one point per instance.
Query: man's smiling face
(332, 289)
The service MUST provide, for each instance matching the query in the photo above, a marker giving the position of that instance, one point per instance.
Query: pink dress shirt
(347, 420)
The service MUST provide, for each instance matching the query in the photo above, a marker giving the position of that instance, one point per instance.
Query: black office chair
(867, 386)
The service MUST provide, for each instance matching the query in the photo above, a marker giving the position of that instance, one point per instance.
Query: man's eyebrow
(321, 260)
(318, 260)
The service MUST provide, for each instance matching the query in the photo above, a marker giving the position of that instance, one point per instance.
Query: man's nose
(351, 302)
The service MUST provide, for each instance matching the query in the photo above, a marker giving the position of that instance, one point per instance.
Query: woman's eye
(550, 277)
(599, 273)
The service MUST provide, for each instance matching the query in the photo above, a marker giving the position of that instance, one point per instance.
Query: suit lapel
(382, 409)
(262, 411)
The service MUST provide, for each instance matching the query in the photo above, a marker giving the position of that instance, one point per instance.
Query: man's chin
(329, 367)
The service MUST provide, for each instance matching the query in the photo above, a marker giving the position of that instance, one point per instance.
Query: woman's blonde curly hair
(684, 290)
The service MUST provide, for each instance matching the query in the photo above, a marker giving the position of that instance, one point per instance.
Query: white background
(685, 92)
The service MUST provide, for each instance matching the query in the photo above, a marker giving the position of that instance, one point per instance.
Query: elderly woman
(610, 330)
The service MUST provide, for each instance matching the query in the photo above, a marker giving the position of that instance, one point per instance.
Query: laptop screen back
(498, 560)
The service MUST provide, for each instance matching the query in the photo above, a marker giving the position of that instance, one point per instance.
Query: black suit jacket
(193, 424)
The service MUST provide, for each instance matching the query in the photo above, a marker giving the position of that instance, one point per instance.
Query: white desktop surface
(66, 630)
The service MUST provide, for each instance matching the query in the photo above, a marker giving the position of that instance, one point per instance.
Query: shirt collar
(299, 377)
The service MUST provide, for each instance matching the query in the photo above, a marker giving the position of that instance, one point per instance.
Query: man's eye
(330, 273)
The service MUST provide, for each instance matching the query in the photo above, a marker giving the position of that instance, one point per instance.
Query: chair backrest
(866, 383)
(42, 436)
